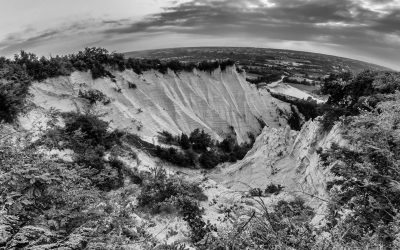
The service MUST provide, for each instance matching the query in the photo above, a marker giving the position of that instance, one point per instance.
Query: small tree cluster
(199, 145)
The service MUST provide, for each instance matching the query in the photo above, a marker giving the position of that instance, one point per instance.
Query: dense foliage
(54, 203)
(85, 201)
(368, 177)
(33, 186)
(349, 94)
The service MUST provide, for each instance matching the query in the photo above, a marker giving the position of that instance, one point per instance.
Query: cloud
(370, 28)
(227, 16)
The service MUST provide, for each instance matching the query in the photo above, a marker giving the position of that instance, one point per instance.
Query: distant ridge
(250, 55)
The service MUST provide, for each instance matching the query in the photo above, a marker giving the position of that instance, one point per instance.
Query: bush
(94, 95)
(161, 192)
(255, 192)
(39, 190)
(273, 189)
(167, 138)
(132, 85)
(89, 138)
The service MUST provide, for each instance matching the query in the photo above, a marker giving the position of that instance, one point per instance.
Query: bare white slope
(285, 157)
(174, 102)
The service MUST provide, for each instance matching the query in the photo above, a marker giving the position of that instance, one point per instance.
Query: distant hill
(296, 62)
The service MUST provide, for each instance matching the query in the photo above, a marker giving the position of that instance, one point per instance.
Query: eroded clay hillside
(220, 102)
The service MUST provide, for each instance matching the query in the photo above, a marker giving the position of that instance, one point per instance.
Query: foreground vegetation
(364, 196)
(84, 201)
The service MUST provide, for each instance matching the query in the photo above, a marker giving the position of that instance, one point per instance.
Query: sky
(367, 30)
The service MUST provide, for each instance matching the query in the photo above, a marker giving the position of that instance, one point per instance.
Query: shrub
(273, 189)
(255, 192)
(37, 189)
(94, 131)
(89, 138)
(160, 190)
(93, 96)
(167, 138)
(132, 85)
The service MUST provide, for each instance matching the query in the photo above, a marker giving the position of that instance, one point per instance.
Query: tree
(209, 159)
(14, 90)
(184, 141)
(200, 140)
